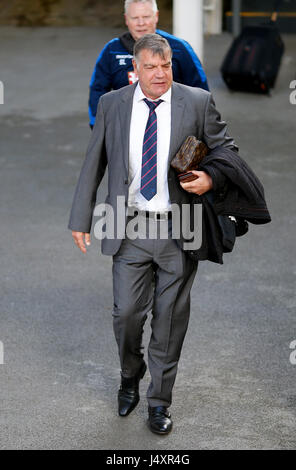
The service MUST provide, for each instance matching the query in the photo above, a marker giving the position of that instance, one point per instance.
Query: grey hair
(127, 3)
(155, 43)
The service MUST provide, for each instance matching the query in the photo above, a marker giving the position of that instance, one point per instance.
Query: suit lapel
(125, 113)
(177, 111)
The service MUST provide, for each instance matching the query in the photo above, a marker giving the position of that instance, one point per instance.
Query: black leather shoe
(128, 394)
(159, 420)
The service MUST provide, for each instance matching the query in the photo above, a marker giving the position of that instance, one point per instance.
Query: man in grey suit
(138, 130)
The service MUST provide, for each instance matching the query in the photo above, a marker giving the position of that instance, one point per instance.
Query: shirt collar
(139, 95)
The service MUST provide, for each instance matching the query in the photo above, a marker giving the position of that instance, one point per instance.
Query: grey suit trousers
(152, 274)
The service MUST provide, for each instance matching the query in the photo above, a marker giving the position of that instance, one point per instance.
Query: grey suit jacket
(193, 112)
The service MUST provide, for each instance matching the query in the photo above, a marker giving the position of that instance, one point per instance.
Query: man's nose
(160, 72)
(141, 21)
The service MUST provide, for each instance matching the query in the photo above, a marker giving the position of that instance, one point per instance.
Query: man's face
(140, 19)
(154, 73)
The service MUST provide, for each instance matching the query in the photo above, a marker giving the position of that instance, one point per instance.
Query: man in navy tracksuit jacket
(114, 68)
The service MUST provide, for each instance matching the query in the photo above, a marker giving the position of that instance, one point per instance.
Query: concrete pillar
(1, 93)
(188, 23)
(213, 16)
(236, 19)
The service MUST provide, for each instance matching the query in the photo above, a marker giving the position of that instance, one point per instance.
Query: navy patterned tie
(149, 158)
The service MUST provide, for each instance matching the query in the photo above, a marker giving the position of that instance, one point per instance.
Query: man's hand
(200, 185)
(79, 240)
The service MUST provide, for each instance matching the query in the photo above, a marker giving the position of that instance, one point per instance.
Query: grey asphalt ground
(235, 387)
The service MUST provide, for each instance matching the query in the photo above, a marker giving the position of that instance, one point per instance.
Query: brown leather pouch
(189, 156)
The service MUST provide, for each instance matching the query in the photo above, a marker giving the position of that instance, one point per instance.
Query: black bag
(253, 60)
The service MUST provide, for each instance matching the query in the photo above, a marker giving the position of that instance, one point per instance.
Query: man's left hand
(200, 185)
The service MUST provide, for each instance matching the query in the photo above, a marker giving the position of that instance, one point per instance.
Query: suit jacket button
(125, 181)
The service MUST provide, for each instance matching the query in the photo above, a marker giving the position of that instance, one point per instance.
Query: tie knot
(152, 104)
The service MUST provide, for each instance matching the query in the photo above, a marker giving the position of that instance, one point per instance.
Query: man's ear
(157, 16)
(135, 66)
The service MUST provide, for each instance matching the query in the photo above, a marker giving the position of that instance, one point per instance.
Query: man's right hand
(79, 238)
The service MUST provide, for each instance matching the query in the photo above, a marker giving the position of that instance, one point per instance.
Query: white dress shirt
(140, 113)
